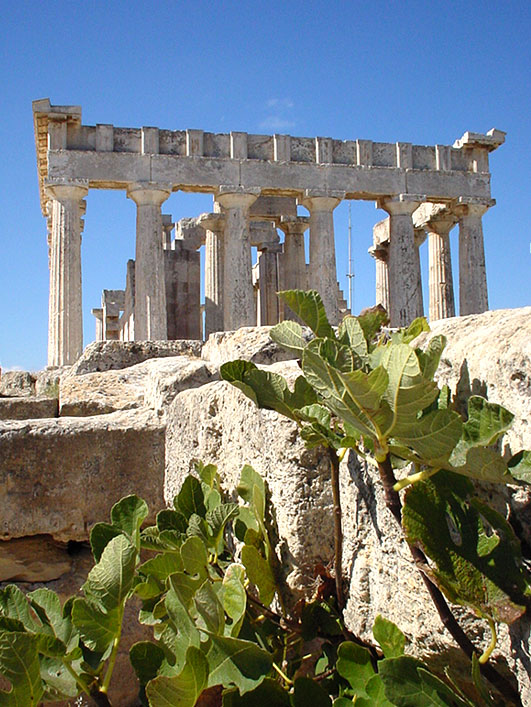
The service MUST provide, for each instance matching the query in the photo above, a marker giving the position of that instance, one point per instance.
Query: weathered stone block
(59, 477)
(28, 408)
(17, 384)
(37, 558)
(250, 343)
(153, 383)
(107, 355)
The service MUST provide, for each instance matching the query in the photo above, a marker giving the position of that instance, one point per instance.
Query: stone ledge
(27, 408)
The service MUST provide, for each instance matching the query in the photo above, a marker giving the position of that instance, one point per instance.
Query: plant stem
(114, 654)
(338, 532)
(79, 681)
(282, 675)
(394, 504)
(413, 478)
(492, 645)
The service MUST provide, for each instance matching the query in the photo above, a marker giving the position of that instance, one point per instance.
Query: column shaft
(238, 298)
(150, 288)
(65, 333)
(442, 304)
(404, 264)
(473, 297)
(268, 311)
(380, 254)
(214, 225)
(323, 273)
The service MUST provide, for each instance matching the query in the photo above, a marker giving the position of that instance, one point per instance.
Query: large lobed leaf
(235, 662)
(476, 557)
(180, 690)
(19, 663)
(110, 580)
(308, 306)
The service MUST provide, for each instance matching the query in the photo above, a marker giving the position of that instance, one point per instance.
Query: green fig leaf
(308, 306)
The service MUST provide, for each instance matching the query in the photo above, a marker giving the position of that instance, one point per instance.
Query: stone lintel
(98, 313)
(115, 170)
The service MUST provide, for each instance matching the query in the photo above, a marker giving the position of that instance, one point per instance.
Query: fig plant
(210, 584)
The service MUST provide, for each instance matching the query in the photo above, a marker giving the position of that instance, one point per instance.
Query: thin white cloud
(275, 122)
(280, 103)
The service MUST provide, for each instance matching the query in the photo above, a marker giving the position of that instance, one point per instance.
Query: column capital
(321, 200)
(296, 225)
(231, 197)
(143, 193)
(66, 189)
(380, 251)
(212, 222)
(401, 203)
(470, 206)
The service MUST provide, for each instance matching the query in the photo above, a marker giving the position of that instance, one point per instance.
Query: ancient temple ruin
(256, 181)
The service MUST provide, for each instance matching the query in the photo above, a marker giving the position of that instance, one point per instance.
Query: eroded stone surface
(152, 383)
(17, 384)
(217, 424)
(47, 381)
(60, 476)
(249, 343)
(27, 408)
(37, 558)
(112, 355)
(490, 354)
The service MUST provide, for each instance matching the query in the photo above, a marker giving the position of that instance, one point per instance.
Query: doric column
(380, 253)
(420, 237)
(293, 257)
(442, 303)
(473, 297)
(98, 315)
(65, 332)
(323, 274)
(238, 299)
(167, 228)
(403, 262)
(150, 289)
(214, 224)
(268, 307)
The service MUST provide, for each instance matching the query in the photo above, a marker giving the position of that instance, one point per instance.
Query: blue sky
(421, 72)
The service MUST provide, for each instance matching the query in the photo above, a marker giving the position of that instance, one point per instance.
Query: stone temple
(257, 182)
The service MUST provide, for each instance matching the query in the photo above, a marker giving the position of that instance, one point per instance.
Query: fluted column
(150, 288)
(268, 308)
(238, 298)
(473, 297)
(65, 331)
(442, 303)
(380, 253)
(214, 224)
(403, 263)
(293, 257)
(323, 273)
(420, 237)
